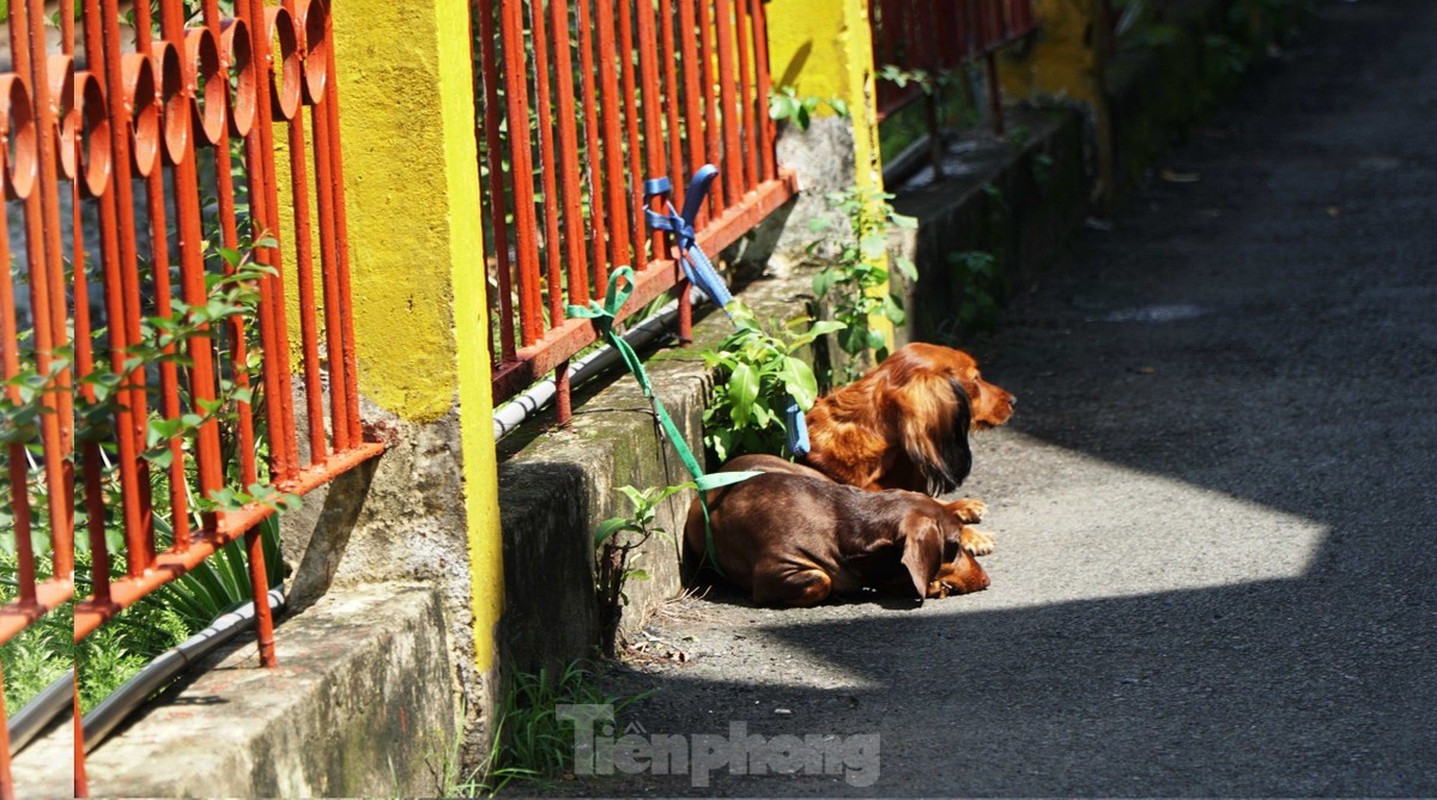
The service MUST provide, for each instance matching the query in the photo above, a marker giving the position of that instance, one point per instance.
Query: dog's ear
(920, 553)
(936, 418)
(905, 564)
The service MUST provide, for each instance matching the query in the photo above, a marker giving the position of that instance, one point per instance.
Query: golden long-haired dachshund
(905, 424)
(793, 536)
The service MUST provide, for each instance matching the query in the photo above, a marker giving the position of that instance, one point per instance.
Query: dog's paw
(968, 510)
(976, 542)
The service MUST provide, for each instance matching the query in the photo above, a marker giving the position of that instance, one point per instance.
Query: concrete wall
(1019, 200)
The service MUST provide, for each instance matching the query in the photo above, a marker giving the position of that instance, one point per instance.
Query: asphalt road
(1216, 505)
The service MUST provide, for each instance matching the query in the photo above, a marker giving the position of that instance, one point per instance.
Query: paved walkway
(1216, 506)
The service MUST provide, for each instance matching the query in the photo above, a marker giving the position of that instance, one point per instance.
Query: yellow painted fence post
(824, 48)
(1066, 62)
(430, 511)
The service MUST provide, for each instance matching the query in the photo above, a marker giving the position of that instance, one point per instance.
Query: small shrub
(759, 377)
(854, 287)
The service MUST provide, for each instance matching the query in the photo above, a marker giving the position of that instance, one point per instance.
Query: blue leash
(701, 272)
(696, 264)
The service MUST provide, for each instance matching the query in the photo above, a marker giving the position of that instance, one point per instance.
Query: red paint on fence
(132, 114)
(938, 37)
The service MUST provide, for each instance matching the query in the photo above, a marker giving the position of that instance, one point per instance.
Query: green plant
(759, 376)
(930, 82)
(532, 741)
(1042, 169)
(976, 273)
(854, 285)
(111, 654)
(1226, 57)
(40, 653)
(617, 539)
(221, 583)
(785, 103)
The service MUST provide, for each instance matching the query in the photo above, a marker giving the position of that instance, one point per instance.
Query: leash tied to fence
(603, 317)
(696, 264)
(701, 272)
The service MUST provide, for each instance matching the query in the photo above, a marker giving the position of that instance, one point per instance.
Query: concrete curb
(362, 701)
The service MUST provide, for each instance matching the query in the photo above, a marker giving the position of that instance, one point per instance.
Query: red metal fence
(147, 337)
(938, 36)
(580, 103)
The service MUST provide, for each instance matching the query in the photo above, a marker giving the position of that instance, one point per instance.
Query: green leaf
(160, 457)
(663, 494)
(799, 381)
(893, 310)
(743, 389)
(231, 256)
(823, 282)
(906, 266)
(781, 106)
(639, 500)
(611, 526)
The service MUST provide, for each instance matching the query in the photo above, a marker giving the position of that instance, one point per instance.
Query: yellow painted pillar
(1066, 61)
(1063, 59)
(824, 48)
(418, 280)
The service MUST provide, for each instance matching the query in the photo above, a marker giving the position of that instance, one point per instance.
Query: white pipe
(512, 414)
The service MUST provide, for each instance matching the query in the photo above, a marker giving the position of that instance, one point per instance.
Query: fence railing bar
(574, 253)
(768, 133)
(42, 243)
(655, 159)
(279, 404)
(728, 114)
(693, 122)
(233, 43)
(348, 359)
(712, 132)
(498, 209)
(593, 167)
(610, 107)
(749, 107)
(203, 372)
(549, 184)
(634, 149)
(155, 209)
(521, 154)
(304, 265)
(91, 613)
(672, 100)
(536, 361)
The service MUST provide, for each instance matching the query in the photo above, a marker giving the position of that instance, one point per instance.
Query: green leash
(603, 317)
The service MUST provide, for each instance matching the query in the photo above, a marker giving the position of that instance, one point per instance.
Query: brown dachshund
(905, 424)
(792, 537)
